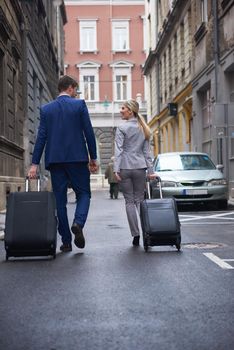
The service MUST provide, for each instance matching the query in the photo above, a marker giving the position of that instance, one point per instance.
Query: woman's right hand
(153, 176)
(118, 178)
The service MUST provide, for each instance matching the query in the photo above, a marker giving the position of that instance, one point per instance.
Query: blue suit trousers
(78, 175)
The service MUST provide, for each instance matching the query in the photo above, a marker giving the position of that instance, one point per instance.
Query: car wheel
(223, 204)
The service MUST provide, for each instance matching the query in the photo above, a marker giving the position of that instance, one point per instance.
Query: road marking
(223, 214)
(220, 262)
(184, 218)
(228, 259)
(206, 223)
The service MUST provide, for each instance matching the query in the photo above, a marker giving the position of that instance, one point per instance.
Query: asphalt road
(114, 296)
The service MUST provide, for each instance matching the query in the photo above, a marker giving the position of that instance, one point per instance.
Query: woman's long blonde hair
(133, 106)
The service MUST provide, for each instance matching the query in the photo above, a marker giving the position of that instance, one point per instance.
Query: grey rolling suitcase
(160, 221)
(31, 223)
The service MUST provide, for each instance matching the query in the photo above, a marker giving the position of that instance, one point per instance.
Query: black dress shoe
(66, 247)
(136, 240)
(79, 237)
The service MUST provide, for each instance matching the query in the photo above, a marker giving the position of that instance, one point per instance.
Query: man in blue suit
(66, 133)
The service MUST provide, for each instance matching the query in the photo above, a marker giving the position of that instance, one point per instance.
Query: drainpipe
(58, 43)
(216, 61)
(158, 101)
(24, 33)
(112, 99)
(216, 46)
(158, 81)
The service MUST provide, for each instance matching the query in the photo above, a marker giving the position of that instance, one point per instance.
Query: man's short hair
(65, 81)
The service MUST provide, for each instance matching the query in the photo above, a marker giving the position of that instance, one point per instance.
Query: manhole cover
(203, 245)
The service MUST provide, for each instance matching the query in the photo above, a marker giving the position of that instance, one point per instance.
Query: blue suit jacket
(65, 131)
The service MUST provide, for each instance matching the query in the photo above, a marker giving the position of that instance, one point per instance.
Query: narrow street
(71, 73)
(113, 296)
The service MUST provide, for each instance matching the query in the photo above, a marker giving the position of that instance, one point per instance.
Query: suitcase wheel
(178, 247)
(146, 247)
(53, 253)
(145, 242)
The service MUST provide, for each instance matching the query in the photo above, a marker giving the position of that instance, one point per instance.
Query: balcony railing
(106, 107)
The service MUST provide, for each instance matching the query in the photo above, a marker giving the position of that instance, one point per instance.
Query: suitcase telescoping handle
(159, 185)
(38, 183)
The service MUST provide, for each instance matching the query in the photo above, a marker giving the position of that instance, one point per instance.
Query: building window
(120, 35)
(160, 15)
(145, 39)
(232, 147)
(206, 108)
(89, 87)
(165, 76)
(2, 124)
(230, 84)
(171, 4)
(169, 70)
(122, 80)
(175, 58)
(149, 32)
(160, 82)
(65, 68)
(203, 7)
(182, 45)
(121, 87)
(88, 36)
(89, 80)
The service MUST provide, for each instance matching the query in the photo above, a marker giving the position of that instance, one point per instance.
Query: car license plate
(189, 192)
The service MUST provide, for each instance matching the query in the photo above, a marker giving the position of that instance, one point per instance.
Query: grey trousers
(132, 186)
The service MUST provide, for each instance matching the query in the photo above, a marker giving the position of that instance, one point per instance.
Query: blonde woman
(132, 159)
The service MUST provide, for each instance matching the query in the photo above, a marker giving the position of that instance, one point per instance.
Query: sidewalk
(2, 224)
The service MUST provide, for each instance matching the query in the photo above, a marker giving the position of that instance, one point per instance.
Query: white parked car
(190, 177)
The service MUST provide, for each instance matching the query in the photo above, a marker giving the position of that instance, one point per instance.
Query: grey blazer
(132, 150)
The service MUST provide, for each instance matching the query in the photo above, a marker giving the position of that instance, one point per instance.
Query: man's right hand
(93, 166)
(32, 173)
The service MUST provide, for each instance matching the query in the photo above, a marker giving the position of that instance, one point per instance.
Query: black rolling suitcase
(31, 223)
(160, 221)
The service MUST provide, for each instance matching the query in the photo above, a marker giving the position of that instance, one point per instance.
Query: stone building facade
(168, 71)
(31, 59)
(189, 67)
(213, 83)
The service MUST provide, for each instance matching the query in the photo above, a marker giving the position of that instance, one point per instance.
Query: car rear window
(184, 162)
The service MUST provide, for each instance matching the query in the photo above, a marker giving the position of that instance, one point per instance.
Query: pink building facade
(105, 51)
